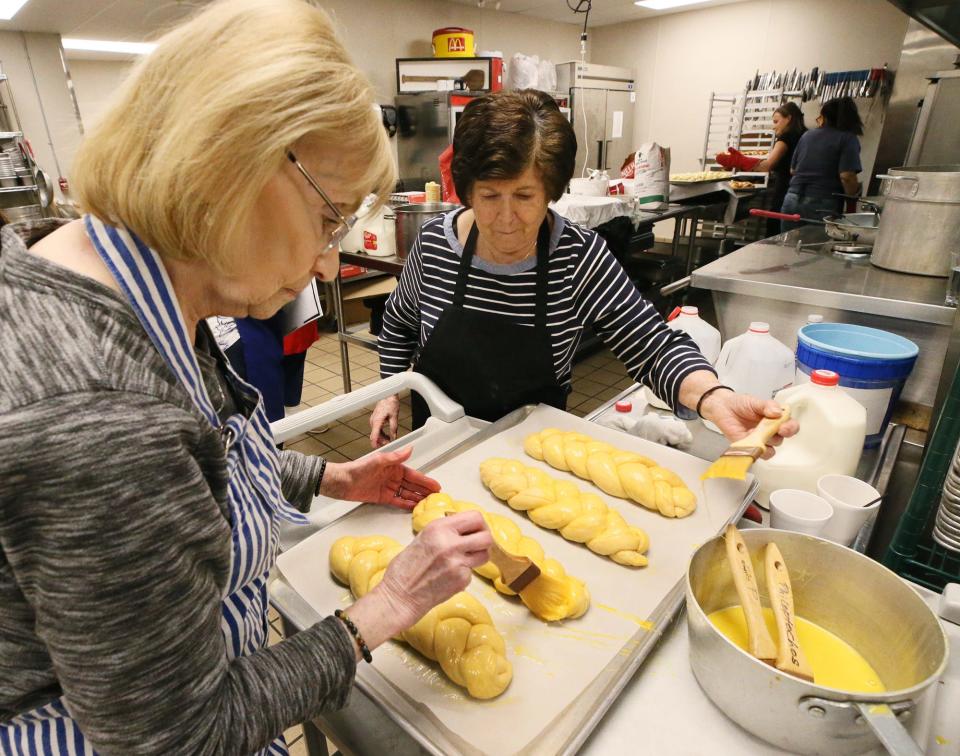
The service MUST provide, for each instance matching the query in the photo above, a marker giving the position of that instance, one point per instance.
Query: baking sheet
(553, 664)
(702, 181)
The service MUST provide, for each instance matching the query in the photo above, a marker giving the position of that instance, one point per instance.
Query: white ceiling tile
(143, 19)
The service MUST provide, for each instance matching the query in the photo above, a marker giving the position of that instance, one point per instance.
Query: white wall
(95, 81)
(376, 32)
(680, 58)
(39, 87)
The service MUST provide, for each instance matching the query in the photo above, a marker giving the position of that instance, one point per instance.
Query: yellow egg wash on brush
(835, 663)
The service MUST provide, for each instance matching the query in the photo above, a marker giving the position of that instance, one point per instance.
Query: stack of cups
(838, 511)
(799, 511)
(854, 504)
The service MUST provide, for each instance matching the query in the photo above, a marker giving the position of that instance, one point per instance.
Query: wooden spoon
(790, 657)
(759, 642)
(473, 78)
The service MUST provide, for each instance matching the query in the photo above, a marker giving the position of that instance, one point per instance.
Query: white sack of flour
(651, 181)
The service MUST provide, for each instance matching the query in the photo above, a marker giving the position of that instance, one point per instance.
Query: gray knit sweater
(115, 539)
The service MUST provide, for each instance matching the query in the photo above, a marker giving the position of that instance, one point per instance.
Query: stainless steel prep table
(660, 711)
(783, 279)
(685, 192)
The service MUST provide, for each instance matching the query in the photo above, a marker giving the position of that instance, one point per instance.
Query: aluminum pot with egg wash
(847, 594)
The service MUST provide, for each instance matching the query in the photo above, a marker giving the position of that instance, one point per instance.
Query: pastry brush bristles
(734, 464)
(736, 460)
(547, 597)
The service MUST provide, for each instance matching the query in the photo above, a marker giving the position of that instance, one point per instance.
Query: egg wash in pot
(835, 663)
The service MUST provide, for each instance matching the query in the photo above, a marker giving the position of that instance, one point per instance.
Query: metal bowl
(844, 592)
(853, 227)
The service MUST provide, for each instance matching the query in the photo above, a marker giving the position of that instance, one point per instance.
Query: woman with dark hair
(825, 163)
(494, 296)
(788, 127)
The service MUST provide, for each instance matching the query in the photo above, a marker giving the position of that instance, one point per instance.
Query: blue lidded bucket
(872, 364)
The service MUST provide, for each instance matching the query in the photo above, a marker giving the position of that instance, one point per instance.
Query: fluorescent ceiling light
(103, 45)
(9, 8)
(666, 4)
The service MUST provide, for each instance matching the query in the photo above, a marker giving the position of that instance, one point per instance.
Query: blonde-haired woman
(142, 494)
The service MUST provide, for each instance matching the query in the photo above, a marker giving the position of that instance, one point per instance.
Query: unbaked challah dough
(570, 600)
(619, 473)
(559, 505)
(458, 633)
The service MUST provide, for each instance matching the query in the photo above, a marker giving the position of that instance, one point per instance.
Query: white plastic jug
(756, 363)
(833, 426)
(379, 234)
(705, 335)
(353, 241)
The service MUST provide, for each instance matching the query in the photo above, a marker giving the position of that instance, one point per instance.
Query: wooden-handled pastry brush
(790, 657)
(759, 641)
(736, 460)
(516, 572)
(543, 594)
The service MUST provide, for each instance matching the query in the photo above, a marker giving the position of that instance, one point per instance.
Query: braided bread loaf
(457, 633)
(559, 505)
(569, 599)
(619, 473)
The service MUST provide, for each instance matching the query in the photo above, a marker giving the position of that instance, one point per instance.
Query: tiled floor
(597, 379)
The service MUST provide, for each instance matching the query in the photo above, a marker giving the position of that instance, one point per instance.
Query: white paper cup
(847, 496)
(799, 511)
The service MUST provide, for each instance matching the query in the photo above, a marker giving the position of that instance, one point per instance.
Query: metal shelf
(11, 189)
(10, 135)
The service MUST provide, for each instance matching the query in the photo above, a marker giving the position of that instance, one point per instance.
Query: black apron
(488, 363)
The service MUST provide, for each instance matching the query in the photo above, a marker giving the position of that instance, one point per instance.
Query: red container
(351, 271)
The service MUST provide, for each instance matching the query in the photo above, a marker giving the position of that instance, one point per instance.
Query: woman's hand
(383, 421)
(436, 565)
(378, 479)
(738, 414)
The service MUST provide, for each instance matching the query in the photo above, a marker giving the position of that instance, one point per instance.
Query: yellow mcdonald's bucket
(453, 42)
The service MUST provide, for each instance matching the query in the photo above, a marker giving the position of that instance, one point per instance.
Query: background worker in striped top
(495, 296)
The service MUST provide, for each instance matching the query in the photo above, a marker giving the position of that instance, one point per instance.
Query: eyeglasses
(346, 222)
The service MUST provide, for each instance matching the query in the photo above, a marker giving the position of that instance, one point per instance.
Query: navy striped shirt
(587, 288)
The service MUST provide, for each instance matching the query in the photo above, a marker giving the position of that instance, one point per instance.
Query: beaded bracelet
(364, 649)
(707, 393)
(323, 469)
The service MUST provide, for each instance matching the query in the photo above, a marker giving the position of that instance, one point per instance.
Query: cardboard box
(354, 293)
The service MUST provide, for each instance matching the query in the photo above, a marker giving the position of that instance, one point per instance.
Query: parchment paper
(552, 664)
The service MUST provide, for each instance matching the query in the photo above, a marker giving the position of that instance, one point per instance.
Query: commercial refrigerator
(936, 139)
(425, 125)
(602, 101)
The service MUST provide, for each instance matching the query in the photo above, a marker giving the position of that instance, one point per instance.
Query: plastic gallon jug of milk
(705, 335)
(379, 233)
(832, 428)
(755, 363)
